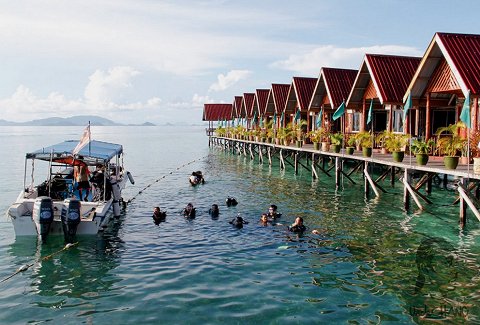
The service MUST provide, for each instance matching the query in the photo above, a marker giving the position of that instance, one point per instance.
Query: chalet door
(441, 118)
(380, 119)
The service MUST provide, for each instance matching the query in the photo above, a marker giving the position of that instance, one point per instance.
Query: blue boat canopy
(93, 152)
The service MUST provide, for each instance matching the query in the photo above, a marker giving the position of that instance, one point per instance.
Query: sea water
(371, 262)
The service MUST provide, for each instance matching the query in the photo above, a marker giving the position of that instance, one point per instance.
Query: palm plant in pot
(450, 144)
(364, 138)
(351, 142)
(422, 149)
(298, 127)
(395, 143)
(336, 141)
(315, 137)
(382, 138)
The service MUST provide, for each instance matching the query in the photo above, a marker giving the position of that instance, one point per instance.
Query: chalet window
(397, 120)
(356, 121)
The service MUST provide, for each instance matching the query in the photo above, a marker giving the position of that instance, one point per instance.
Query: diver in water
(297, 226)
(189, 211)
(238, 222)
(158, 216)
(214, 211)
(196, 178)
(272, 213)
(231, 201)
(264, 220)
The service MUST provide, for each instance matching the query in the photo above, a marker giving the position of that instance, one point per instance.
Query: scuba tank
(43, 215)
(70, 218)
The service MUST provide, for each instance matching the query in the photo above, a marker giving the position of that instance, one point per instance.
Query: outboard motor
(117, 197)
(71, 212)
(43, 215)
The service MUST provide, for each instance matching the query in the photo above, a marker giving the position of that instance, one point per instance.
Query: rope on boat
(164, 176)
(25, 267)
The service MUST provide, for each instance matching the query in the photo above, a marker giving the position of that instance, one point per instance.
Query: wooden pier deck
(320, 162)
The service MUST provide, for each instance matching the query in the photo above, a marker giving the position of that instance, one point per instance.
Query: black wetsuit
(297, 228)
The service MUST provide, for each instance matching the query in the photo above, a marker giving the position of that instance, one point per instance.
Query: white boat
(53, 206)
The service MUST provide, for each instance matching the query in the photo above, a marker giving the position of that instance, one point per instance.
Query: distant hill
(67, 121)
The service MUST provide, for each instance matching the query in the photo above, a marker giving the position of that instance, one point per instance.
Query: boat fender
(130, 178)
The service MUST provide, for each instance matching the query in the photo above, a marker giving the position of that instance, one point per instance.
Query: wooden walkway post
(338, 171)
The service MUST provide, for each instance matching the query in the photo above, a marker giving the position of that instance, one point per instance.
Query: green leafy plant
(449, 141)
(395, 142)
(336, 138)
(364, 139)
(422, 147)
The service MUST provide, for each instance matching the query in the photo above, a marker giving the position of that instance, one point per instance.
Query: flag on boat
(370, 112)
(297, 115)
(340, 111)
(83, 140)
(408, 105)
(465, 115)
(319, 119)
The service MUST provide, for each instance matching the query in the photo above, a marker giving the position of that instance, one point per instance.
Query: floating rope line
(164, 176)
(25, 267)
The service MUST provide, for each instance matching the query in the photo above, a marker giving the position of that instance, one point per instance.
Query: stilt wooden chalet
(332, 89)
(448, 72)
(260, 106)
(381, 83)
(247, 108)
(298, 100)
(276, 101)
(216, 113)
(236, 110)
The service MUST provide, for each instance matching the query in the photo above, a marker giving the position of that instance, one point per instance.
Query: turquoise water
(373, 262)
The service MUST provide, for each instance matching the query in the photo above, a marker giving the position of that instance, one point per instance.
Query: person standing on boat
(80, 174)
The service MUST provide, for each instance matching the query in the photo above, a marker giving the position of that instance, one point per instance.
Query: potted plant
(298, 128)
(450, 144)
(395, 143)
(325, 138)
(364, 139)
(351, 142)
(382, 138)
(336, 141)
(475, 150)
(315, 137)
(220, 132)
(422, 149)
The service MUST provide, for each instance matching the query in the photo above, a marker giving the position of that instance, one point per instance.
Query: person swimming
(196, 178)
(189, 211)
(158, 216)
(272, 213)
(264, 219)
(214, 211)
(231, 201)
(238, 222)
(297, 226)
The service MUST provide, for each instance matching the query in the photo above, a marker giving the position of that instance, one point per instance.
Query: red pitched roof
(217, 112)
(247, 104)
(237, 106)
(336, 83)
(261, 97)
(390, 75)
(462, 53)
(301, 92)
(277, 98)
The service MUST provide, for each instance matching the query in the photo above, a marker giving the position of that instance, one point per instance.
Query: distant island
(70, 121)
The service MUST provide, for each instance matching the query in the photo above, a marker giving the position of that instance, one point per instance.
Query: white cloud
(105, 88)
(226, 81)
(330, 56)
(103, 95)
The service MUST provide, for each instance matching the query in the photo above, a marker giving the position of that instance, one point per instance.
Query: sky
(136, 61)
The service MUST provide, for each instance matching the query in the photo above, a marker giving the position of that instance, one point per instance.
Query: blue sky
(148, 60)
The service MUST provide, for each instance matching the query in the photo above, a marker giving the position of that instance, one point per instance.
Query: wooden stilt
(338, 171)
(296, 163)
(463, 206)
(282, 162)
(269, 156)
(471, 201)
(366, 185)
(392, 175)
(406, 193)
(369, 180)
(314, 171)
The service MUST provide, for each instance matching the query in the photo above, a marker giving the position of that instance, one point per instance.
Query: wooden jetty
(318, 163)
